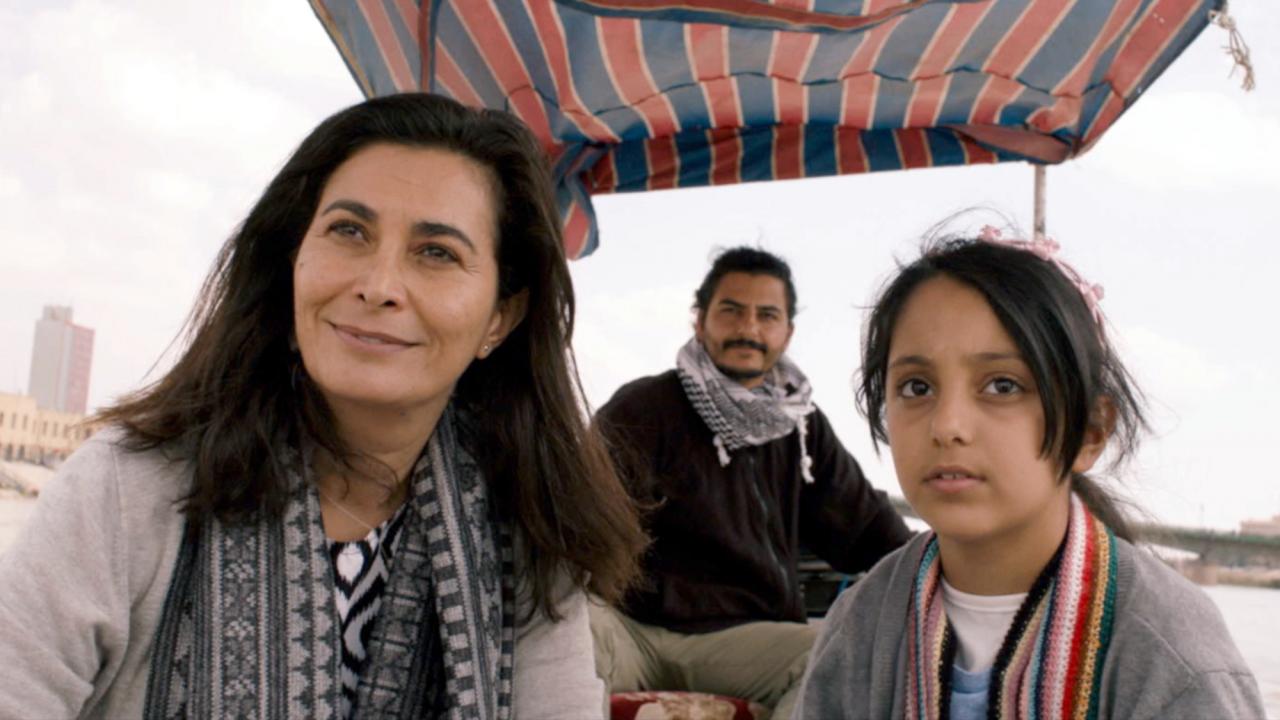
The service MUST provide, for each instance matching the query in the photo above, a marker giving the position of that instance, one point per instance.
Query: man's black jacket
(726, 539)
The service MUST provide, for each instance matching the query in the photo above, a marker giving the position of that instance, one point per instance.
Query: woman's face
(965, 423)
(396, 279)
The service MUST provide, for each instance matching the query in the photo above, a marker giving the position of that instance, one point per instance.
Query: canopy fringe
(1236, 46)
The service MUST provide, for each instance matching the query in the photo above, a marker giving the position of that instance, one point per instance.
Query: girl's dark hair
(236, 398)
(1044, 312)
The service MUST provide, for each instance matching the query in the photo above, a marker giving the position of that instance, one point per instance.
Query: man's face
(745, 328)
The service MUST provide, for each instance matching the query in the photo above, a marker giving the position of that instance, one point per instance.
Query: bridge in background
(1215, 547)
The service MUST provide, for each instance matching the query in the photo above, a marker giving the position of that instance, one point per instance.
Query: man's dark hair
(752, 261)
(1046, 316)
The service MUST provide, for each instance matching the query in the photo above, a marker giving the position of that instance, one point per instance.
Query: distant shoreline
(16, 509)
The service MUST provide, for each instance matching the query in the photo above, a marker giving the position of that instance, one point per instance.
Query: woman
(366, 488)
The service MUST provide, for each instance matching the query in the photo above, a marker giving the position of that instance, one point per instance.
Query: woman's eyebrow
(426, 228)
(431, 228)
(359, 209)
(995, 356)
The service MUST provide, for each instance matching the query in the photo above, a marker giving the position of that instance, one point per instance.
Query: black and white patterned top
(361, 568)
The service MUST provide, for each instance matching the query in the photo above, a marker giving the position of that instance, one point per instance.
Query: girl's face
(965, 423)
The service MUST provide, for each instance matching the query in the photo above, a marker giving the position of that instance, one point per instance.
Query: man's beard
(739, 375)
(735, 373)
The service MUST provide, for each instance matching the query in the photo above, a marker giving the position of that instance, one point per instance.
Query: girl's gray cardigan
(82, 589)
(1170, 656)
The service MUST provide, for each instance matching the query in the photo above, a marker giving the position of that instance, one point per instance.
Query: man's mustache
(746, 343)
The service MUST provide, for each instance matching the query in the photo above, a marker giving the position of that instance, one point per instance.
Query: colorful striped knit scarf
(1050, 664)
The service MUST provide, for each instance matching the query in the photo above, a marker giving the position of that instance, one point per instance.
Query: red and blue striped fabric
(633, 95)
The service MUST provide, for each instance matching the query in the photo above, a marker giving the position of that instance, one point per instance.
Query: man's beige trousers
(759, 661)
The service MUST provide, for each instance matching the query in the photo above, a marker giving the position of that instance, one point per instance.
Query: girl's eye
(914, 388)
(1002, 386)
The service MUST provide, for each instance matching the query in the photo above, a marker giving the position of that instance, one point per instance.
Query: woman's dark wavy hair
(234, 402)
(1074, 366)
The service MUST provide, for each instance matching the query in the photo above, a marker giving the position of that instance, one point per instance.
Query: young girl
(987, 371)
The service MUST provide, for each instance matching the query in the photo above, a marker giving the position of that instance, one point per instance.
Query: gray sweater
(1170, 657)
(82, 589)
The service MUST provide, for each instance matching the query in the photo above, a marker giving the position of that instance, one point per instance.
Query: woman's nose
(381, 285)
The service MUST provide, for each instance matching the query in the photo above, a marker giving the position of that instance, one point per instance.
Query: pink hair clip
(1047, 249)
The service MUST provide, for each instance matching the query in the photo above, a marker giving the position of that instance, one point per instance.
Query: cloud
(181, 191)
(621, 336)
(1194, 139)
(136, 137)
(1170, 366)
(10, 187)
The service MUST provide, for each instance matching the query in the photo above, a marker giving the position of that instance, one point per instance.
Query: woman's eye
(347, 229)
(913, 388)
(438, 253)
(1002, 386)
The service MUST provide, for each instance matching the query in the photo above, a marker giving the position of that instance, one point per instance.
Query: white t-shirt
(980, 623)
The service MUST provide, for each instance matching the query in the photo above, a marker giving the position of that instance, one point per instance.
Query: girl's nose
(952, 423)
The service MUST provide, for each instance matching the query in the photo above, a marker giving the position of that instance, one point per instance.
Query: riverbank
(23, 478)
(1208, 574)
(1250, 577)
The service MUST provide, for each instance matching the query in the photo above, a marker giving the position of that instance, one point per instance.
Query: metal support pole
(1039, 209)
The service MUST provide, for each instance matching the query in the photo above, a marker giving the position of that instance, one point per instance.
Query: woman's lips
(370, 341)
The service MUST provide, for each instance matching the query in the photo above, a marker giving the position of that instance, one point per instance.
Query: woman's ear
(1102, 422)
(506, 316)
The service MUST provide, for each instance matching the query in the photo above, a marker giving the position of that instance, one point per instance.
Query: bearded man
(739, 470)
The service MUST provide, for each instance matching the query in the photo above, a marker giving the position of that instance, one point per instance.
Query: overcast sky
(135, 135)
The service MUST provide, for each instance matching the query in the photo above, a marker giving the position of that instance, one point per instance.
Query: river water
(1251, 613)
(1253, 617)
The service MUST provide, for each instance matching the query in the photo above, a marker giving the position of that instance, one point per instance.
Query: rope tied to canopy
(1236, 46)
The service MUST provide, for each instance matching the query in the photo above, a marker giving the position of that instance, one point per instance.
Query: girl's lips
(952, 479)
(952, 483)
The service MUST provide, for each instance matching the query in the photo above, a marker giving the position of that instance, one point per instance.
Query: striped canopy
(648, 94)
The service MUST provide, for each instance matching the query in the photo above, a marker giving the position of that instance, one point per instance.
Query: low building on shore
(32, 434)
(1265, 528)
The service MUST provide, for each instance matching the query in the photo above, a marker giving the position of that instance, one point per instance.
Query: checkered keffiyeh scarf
(249, 627)
(739, 417)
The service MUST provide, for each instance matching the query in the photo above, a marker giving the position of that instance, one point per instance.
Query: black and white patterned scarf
(249, 627)
(361, 570)
(740, 417)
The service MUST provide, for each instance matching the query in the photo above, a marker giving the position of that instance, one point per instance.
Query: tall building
(60, 362)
